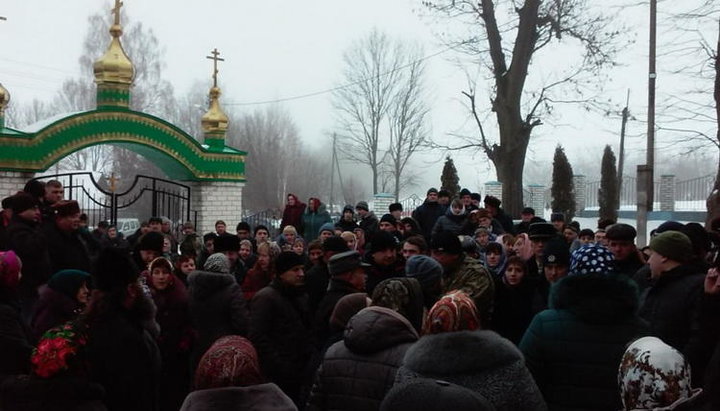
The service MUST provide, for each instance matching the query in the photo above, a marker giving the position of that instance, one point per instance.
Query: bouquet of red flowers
(58, 349)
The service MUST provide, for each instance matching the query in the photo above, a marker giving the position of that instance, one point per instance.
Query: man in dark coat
(293, 213)
(67, 251)
(30, 244)
(347, 220)
(368, 221)
(5, 217)
(347, 277)
(280, 329)
(53, 194)
(492, 204)
(121, 353)
(672, 302)
(318, 277)
(621, 241)
(382, 260)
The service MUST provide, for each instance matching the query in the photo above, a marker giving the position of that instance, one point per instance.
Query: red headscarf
(455, 311)
(9, 269)
(230, 362)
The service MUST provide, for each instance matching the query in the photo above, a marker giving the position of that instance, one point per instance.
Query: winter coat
(426, 215)
(469, 275)
(369, 224)
(672, 306)
(630, 266)
(316, 284)
(255, 280)
(263, 397)
(346, 225)
(573, 349)
(336, 290)
(312, 221)
(293, 214)
(376, 340)
(512, 311)
(67, 250)
(124, 358)
(462, 358)
(280, 330)
(15, 337)
(449, 222)
(30, 393)
(30, 244)
(505, 221)
(53, 308)
(377, 273)
(217, 309)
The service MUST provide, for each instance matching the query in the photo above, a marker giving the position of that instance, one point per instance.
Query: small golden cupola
(114, 71)
(4, 101)
(215, 122)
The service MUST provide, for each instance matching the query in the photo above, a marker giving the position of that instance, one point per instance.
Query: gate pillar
(12, 181)
(216, 200)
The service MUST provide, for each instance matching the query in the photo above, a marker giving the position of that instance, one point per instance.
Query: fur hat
(9, 269)
(388, 218)
(362, 205)
(227, 242)
(455, 311)
(382, 240)
(556, 252)
(114, 269)
(433, 395)
(447, 242)
(432, 190)
(539, 231)
(287, 260)
(152, 240)
(557, 217)
(68, 282)
(395, 207)
(592, 258)
(673, 245)
(66, 208)
(492, 201)
(335, 243)
(21, 202)
(528, 210)
(464, 192)
(424, 269)
(217, 263)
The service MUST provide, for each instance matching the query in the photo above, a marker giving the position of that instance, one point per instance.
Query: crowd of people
(451, 306)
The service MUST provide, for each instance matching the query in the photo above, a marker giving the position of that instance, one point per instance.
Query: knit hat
(153, 241)
(424, 269)
(621, 232)
(433, 395)
(21, 202)
(349, 209)
(432, 190)
(9, 269)
(217, 263)
(335, 244)
(592, 258)
(557, 217)
(528, 210)
(344, 262)
(402, 295)
(476, 196)
(230, 362)
(382, 240)
(227, 242)
(346, 308)
(556, 252)
(654, 375)
(454, 311)
(446, 242)
(673, 245)
(66, 208)
(492, 201)
(287, 260)
(540, 231)
(363, 205)
(68, 282)
(388, 218)
(395, 207)
(464, 192)
(114, 269)
(327, 227)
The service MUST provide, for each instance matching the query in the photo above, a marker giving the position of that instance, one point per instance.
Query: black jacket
(30, 244)
(67, 251)
(316, 284)
(573, 349)
(505, 221)
(672, 306)
(375, 343)
(336, 290)
(513, 311)
(426, 215)
(15, 346)
(369, 224)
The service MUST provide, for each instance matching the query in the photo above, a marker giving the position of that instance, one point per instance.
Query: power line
(330, 90)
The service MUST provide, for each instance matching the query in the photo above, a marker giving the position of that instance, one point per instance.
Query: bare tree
(505, 38)
(374, 80)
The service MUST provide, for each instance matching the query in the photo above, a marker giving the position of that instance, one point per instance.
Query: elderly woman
(61, 300)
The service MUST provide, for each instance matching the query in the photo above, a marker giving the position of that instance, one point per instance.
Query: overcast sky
(281, 49)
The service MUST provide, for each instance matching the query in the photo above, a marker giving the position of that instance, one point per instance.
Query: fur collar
(596, 298)
(204, 284)
(461, 352)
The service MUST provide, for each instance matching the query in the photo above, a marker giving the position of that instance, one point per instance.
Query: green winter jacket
(470, 276)
(312, 221)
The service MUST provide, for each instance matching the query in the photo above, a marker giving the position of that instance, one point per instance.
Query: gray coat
(481, 361)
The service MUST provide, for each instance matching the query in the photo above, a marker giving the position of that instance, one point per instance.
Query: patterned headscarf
(455, 311)
(591, 258)
(230, 362)
(9, 269)
(217, 263)
(653, 375)
(402, 295)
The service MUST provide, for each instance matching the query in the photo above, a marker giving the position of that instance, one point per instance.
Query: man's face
(526, 217)
(537, 246)
(243, 234)
(188, 230)
(491, 209)
(245, 251)
(444, 258)
(385, 257)
(53, 194)
(409, 250)
(476, 203)
(325, 235)
(466, 200)
(357, 279)
(315, 256)
(361, 212)
(210, 246)
(397, 214)
(145, 229)
(68, 223)
(112, 232)
(148, 255)
(554, 272)
(385, 226)
(514, 274)
(220, 228)
(444, 200)
(347, 215)
(233, 256)
(432, 198)
(570, 235)
(621, 249)
(485, 222)
(156, 226)
(290, 237)
(166, 227)
(483, 239)
(600, 238)
(261, 236)
(294, 277)
(31, 214)
(656, 263)
(586, 239)
(291, 201)
(559, 224)
(493, 259)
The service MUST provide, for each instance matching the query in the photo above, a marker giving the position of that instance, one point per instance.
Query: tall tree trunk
(713, 201)
(509, 161)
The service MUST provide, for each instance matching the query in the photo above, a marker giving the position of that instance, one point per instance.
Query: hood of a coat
(461, 352)
(203, 284)
(596, 298)
(374, 329)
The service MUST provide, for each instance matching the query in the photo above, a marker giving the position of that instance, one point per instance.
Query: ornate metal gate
(146, 197)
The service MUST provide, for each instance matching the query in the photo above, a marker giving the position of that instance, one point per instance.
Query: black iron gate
(146, 197)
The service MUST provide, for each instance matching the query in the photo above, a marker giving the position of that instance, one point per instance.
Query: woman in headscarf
(61, 300)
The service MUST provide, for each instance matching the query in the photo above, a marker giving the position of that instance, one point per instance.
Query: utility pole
(621, 156)
(332, 172)
(645, 173)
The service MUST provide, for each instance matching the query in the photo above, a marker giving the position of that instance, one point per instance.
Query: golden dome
(4, 98)
(215, 120)
(114, 66)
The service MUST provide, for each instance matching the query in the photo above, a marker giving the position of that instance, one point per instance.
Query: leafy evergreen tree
(449, 179)
(608, 195)
(563, 188)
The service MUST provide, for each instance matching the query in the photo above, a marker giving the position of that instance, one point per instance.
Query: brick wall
(216, 200)
(12, 181)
